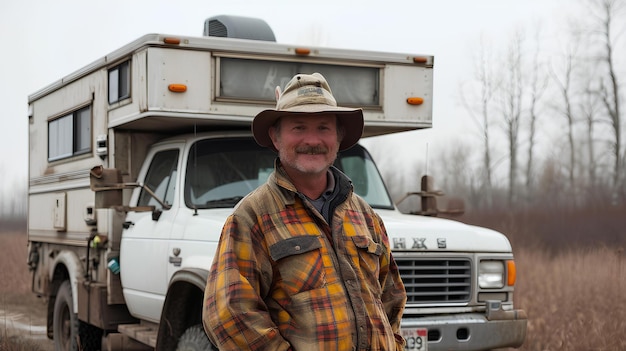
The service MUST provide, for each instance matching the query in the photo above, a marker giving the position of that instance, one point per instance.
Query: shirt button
(297, 248)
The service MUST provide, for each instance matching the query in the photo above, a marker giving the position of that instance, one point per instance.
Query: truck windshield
(220, 172)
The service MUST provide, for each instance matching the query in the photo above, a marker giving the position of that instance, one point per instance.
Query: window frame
(81, 138)
(170, 178)
(122, 73)
(283, 70)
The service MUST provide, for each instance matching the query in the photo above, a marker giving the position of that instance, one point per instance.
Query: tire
(69, 333)
(195, 339)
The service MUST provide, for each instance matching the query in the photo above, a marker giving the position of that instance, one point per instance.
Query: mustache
(312, 150)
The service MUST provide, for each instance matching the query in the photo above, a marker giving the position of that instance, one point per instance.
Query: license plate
(416, 339)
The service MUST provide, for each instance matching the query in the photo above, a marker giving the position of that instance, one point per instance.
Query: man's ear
(273, 136)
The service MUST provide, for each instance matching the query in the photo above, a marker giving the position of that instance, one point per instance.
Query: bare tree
(565, 87)
(589, 89)
(588, 108)
(606, 14)
(511, 101)
(453, 169)
(591, 112)
(538, 84)
(486, 79)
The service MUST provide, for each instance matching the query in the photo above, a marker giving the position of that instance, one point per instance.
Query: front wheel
(195, 339)
(69, 333)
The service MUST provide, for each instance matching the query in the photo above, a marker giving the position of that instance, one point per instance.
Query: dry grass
(574, 300)
(573, 288)
(17, 303)
(14, 275)
(17, 343)
(571, 274)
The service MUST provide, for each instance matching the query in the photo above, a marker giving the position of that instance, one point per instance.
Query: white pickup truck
(137, 159)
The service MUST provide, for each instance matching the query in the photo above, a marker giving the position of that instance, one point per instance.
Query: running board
(145, 333)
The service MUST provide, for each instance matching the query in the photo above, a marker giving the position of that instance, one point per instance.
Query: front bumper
(471, 331)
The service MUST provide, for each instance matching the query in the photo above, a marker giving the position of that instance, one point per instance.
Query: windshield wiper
(225, 202)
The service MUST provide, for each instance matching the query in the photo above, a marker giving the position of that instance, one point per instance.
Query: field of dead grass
(14, 277)
(575, 300)
(18, 306)
(571, 279)
(571, 269)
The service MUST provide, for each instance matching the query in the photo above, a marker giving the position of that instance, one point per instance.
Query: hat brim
(351, 119)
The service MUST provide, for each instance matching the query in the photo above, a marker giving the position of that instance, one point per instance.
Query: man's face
(306, 144)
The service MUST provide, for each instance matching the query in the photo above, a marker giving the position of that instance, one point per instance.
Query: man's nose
(312, 137)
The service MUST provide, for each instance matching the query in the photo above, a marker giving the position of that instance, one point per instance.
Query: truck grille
(436, 280)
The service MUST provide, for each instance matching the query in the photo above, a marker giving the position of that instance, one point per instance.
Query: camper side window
(70, 134)
(119, 82)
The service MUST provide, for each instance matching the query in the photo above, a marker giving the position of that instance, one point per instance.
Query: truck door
(218, 173)
(145, 239)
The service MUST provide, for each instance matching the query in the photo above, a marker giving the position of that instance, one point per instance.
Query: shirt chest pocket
(369, 253)
(299, 263)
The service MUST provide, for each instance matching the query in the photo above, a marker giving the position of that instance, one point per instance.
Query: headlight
(491, 274)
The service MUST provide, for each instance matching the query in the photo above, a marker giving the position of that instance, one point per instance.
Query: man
(303, 263)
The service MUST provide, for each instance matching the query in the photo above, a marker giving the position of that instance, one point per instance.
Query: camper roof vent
(228, 26)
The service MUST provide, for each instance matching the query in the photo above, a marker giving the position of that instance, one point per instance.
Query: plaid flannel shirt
(283, 278)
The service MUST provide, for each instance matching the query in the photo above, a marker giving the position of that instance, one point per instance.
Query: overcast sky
(45, 40)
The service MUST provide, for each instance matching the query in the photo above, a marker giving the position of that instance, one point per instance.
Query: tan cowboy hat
(308, 94)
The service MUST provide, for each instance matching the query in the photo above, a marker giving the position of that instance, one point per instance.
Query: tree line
(552, 115)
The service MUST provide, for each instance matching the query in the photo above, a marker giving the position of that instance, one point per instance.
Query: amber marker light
(302, 51)
(174, 41)
(420, 59)
(415, 101)
(177, 88)
(511, 273)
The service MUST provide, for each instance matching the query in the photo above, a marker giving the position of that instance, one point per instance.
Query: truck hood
(406, 232)
(420, 233)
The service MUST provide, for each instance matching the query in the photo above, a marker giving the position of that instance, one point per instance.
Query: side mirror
(455, 207)
(107, 184)
(428, 195)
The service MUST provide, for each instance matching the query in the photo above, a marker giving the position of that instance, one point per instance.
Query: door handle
(175, 260)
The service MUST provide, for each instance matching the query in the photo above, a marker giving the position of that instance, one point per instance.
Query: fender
(195, 276)
(74, 269)
(182, 307)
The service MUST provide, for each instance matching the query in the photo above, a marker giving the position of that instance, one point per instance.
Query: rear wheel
(70, 334)
(195, 339)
